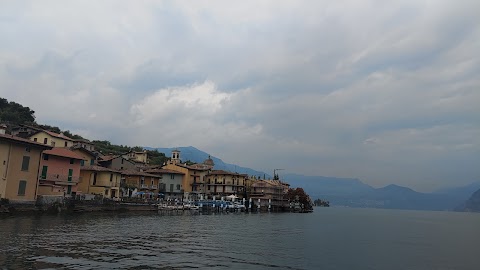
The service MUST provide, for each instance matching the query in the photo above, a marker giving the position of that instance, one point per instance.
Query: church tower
(175, 156)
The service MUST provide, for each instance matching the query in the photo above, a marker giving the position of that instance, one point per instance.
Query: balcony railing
(59, 178)
(143, 186)
(153, 186)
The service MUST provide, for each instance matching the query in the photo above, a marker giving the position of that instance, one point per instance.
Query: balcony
(154, 187)
(59, 178)
(144, 186)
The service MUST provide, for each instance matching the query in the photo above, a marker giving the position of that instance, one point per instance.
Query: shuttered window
(22, 185)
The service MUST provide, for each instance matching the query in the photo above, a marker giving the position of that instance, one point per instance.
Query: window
(34, 139)
(70, 174)
(27, 149)
(111, 177)
(82, 162)
(172, 176)
(22, 185)
(53, 143)
(92, 161)
(178, 187)
(44, 172)
(72, 161)
(94, 179)
(25, 163)
(122, 160)
(171, 187)
(66, 144)
(45, 141)
(45, 156)
(142, 180)
(106, 192)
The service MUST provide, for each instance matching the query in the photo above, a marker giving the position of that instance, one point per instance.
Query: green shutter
(44, 172)
(70, 173)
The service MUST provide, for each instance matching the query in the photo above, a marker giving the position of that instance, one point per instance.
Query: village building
(60, 172)
(221, 183)
(51, 138)
(19, 164)
(117, 162)
(141, 183)
(83, 143)
(171, 183)
(99, 180)
(137, 156)
(269, 192)
(194, 174)
(88, 157)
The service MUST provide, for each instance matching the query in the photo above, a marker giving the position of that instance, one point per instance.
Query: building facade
(59, 172)
(19, 164)
(99, 180)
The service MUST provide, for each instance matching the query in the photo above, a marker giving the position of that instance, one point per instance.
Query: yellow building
(221, 183)
(194, 174)
(51, 138)
(19, 164)
(99, 181)
(88, 157)
(138, 156)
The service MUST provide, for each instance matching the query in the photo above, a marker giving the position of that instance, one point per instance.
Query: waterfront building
(99, 180)
(194, 174)
(59, 172)
(19, 163)
(51, 138)
(269, 192)
(171, 183)
(221, 183)
(145, 184)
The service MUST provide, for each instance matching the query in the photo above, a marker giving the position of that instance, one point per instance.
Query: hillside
(472, 204)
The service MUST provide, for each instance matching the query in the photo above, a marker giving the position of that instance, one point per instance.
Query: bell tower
(175, 159)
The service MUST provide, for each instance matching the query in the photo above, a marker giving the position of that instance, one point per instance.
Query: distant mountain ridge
(349, 192)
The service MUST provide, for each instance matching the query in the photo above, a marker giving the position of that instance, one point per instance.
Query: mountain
(193, 154)
(472, 204)
(354, 193)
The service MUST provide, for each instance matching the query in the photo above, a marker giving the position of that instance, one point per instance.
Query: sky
(384, 91)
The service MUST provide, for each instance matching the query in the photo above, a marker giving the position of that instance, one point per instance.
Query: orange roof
(162, 171)
(23, 141)
(62, 152)
(137, 173)
(97, 169)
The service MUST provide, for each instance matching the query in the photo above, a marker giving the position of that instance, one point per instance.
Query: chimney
(3, 128)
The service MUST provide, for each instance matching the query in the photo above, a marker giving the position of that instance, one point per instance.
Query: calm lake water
(329, 238)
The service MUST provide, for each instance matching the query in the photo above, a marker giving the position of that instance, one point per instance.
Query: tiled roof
(56, 135)
(222, 172)
(62, 152)
(163, 171)
(97, 169)
(19, 140)
(199, 167)
(133, 172)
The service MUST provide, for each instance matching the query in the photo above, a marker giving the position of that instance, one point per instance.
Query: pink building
(59, 172)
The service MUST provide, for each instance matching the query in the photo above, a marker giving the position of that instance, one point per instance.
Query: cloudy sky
(384, 91)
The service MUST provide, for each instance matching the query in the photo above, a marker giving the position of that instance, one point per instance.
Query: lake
(329, 238)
